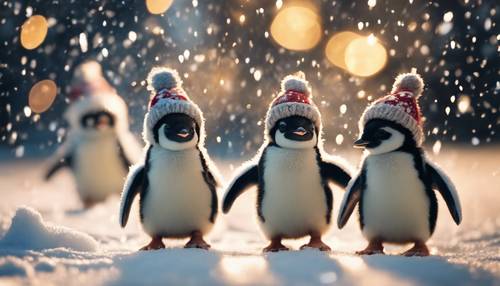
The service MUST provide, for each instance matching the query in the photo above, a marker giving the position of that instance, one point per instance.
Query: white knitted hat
(90, 92)
(294, 98)
(168, 97)
(401, 106)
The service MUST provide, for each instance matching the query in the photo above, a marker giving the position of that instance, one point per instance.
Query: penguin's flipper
(248, 178)
(65, 161)
(351, 198)
(442, 183)
(334, 173)
(133, 186)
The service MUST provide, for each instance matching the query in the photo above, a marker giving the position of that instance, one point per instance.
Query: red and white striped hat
(294, 98)
(168, 97)
(401, 106)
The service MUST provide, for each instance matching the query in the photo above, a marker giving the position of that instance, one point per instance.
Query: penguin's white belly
(395, 205)
(294, 202)
(98, 168)
(178, 200)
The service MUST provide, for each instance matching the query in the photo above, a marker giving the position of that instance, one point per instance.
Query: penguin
(395, 187)
(176, 181)
(99, 148)
(292, 173)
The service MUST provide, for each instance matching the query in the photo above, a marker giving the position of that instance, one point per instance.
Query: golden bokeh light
(336, 46)
(365, 56)
(296, 27)
(42, 95)
(158, 6)
(357, 54)
(33, 32)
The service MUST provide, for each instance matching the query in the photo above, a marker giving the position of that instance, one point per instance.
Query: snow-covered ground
(68, 246)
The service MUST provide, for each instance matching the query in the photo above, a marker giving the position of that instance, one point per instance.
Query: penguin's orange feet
(275, 246)
(317, 243)
(155, 243)
(197, 241)
(374, 247)
(419, 249)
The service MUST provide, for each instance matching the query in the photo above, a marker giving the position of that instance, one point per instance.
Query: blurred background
(232, 55)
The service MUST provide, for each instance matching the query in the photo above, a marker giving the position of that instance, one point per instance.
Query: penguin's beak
(101, 125)
(301, 131)
(183, 133)
(361, 143)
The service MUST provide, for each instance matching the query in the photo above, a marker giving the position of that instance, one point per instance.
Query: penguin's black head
(97, 120)
(294, 132)
(176, 131)
(383, 136)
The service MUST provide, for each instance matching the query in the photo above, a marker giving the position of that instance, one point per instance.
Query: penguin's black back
(212, 185)
(145, 185)
(326, 187)
(261, 186)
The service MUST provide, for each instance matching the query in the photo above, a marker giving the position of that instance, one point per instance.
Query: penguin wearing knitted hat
(99, 147)
(292, 173)
(176, 181)
(395, 186)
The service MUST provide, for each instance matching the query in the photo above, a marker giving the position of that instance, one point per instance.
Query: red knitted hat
(401, 106)
(294, 98)
(168, 97)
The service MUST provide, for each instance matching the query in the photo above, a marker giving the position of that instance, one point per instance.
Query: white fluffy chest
(98, 168)
(178, 200)
(294, 202)
(395, 205)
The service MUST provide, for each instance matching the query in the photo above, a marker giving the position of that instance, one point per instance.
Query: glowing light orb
(158, 6)
(33, 32)
(296, 28)
(42, 95)
(336, 46)
(365, 56)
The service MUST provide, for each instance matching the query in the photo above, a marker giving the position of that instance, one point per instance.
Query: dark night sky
(234, 110)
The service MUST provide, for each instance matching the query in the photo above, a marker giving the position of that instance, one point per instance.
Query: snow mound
(13, 266)
(28, 231)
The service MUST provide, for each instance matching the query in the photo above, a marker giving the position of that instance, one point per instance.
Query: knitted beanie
(401, 106)
(294, 98)
(90, 92)
(168, 97)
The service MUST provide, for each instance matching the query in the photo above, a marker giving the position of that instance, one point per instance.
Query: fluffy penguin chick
(99, 148)
(395, 187)
(176, 181)
(291, 173)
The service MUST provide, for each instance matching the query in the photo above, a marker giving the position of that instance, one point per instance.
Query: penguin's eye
(382, 134)
(282, 127)
(165, 127)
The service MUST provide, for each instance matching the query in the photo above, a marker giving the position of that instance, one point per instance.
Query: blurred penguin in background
(99, 148)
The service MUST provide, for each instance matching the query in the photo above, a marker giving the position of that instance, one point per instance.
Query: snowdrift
(28, 231)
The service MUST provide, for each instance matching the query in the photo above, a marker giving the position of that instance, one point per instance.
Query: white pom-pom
(409, 81)
(296, 82)
(163, 78)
